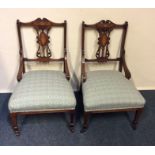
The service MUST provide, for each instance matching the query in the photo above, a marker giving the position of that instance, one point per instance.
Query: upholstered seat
(107, 90)
(41, 91)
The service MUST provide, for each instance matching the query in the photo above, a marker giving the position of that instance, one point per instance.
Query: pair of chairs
(45, 91)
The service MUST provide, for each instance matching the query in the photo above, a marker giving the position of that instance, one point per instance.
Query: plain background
(140, 42)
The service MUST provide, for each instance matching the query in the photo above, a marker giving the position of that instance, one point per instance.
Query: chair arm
(83, 71)
(20, 71)
(66, 70)
(126, 70)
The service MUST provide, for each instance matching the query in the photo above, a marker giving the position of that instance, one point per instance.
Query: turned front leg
(14, 123)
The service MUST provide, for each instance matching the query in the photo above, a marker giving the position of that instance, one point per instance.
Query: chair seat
(109, 90)
(42, 90)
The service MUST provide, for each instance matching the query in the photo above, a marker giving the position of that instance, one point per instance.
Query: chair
(108, 90)
(42, 91)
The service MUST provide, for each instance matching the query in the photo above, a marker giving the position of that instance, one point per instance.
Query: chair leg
(136, 118)
(14, 123)
(71, 123)
(85, 122)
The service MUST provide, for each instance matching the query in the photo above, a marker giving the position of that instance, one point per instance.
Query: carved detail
(102, 53)
(43, 39)
(103, 39)
(104, 28)
(43, 26)
(105, 25)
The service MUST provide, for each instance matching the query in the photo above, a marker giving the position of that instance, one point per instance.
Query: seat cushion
(108, 90)
(42, 90)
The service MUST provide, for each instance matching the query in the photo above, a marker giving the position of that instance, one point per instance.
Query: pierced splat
(43, 26)
(43, 41)
(104, 28)
(102, 53)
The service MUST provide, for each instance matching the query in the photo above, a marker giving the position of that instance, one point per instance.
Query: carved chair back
(104, 28)
(43, 54)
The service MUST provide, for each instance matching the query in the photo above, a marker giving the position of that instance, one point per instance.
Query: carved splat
(43, 41)
(102, 53)
(43, 26)
(104, 28)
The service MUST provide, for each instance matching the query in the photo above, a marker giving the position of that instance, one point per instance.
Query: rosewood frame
(43, 24)
(106, 26)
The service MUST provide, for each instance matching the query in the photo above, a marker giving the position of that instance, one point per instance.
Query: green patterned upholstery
(42, 90)
(108, 90)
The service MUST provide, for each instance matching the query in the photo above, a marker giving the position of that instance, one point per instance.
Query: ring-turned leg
(85, 122)
(71, 123)
(136, 118)
(14, 123)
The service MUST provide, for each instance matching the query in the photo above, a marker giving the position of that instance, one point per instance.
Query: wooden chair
(42, 91)
(107, 90)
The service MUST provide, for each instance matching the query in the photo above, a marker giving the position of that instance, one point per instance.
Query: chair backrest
(104, 28)
(43, 54)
